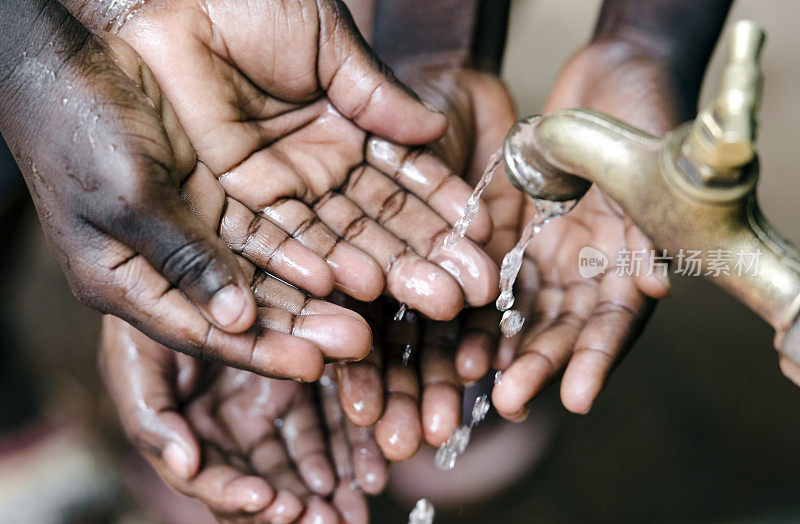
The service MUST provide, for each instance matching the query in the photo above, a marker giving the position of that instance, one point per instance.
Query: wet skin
(576, 329)
(422, 400)
(284, 111)
(252, 449)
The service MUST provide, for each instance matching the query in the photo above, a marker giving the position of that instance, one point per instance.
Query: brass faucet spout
(693, 190)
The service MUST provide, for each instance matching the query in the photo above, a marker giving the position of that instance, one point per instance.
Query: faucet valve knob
(722, 140)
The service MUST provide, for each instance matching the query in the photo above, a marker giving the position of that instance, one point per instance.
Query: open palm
(280, 100)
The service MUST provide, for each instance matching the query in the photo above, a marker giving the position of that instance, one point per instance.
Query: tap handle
(722, 139)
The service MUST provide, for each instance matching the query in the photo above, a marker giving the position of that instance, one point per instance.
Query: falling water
(448, 452)
(546, 210)
(472, 205)
(422, 513)
(401, 313)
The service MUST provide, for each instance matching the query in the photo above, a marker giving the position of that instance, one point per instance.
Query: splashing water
(512, 320)
(401, 313)
(422, 513)
(407, 354)
(472, 205)
(456, 445)
(511, 323)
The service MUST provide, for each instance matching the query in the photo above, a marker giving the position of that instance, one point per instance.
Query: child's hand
(246, 446)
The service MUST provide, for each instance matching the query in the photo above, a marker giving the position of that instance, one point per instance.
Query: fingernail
(432, 107)
(663, 279)
(177, 459)
(522, 415)
(228, 305)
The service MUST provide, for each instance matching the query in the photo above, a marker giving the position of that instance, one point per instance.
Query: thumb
(190, 256)
(363, 89)
(137, 372)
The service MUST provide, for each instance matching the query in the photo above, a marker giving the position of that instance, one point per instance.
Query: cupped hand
(284, 104)
(108, 173)
(580, 327)
(407, 386)
(249, 447)
(421, 399)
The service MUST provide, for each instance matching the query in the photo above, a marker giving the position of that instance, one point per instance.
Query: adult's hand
(104, 157)
(284, 104)
(249, 447)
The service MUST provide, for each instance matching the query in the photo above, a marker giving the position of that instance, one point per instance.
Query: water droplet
(423, 513)
(398, 317)
(446, 456)
(498, 378)
(406, 354)
(511, 323)
(480, 409)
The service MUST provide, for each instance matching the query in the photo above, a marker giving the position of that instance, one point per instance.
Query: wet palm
(249, 447)
(280, 100)
(584, 325)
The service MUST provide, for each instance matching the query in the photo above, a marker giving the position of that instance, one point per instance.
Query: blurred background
(696, 424)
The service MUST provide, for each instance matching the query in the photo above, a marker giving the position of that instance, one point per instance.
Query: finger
(138, 373)
(431, 180)
(302, 432)
(412, 221)
(369, 465)
(399, 431)
(355, 452)
(790, 370)
(266, 184)
(318, 511)
(258, 240)
(270, 460)
(356, 273)
(656, 284)
(546, 348)
(476, 349)
(186, 252)
(351, 504)
(441, 389)
(340, 337)
(341, 334)
(614, 323)
(269, 248)
(164, 313)
(363, 89)
(224, 488)
(410, 278)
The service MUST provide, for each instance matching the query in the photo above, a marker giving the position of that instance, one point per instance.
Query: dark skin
(114, 202)
(252, 449)
(280, 111)
(640, 67)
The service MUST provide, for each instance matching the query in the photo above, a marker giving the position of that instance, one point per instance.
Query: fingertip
(318, 512)
(655, 286)
(580, 387)
(360, 392)
(473, 357)
(441, 413)
(178, 459)
(233, 308)
(285, 508)
(399, 432)
(250, 494)
(790, 370)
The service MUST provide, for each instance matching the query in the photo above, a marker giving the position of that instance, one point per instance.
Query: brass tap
(694, 189)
